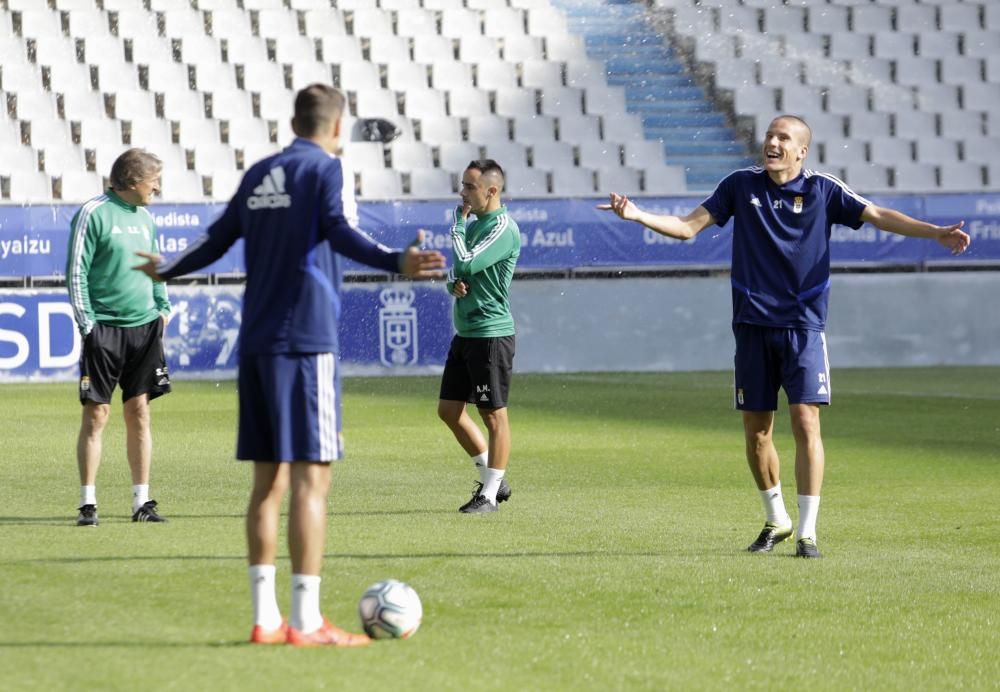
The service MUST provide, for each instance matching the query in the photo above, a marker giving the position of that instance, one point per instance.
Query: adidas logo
(270, 194)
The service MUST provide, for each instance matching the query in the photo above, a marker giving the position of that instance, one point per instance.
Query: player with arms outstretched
(782, 216)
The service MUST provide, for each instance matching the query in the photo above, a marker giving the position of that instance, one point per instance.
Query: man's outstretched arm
(680, 227)
(883, 218)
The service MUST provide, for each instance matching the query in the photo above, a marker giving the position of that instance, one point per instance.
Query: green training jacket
(103, 287)
(484, 254)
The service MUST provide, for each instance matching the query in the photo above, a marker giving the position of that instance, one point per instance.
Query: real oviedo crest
(397, 332)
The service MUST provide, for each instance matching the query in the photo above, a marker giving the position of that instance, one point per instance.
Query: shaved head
(805, 132)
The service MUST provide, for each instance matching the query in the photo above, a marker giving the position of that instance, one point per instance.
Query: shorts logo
(822, 384)
(162, 377)
(85, 383)
(739, 396)
(397, 334)
(483, 390)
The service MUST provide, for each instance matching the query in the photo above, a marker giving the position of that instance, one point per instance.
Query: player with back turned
(481, 358)
(780, 278)
(293, 212)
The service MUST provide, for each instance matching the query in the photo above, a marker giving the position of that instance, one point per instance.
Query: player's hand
(460, 289)
(149, 268)
(622, 206)
(462, 211)
(954, 238)
(421, 264)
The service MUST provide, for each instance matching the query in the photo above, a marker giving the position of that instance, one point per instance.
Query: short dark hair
(316, 107)
(488, 167)
(809, 132)
(132, 167)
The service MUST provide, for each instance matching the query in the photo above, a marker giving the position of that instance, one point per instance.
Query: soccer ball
(390, 609)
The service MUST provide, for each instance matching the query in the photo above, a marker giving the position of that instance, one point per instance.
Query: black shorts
(129, 356)
(478, 370)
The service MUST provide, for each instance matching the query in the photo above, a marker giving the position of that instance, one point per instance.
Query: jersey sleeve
(494, 246)
(84, 231)
(344, 236)
(159, 288)
(720, 203)
(844, 206)
(220, 236)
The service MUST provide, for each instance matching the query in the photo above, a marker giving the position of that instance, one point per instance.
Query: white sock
(305, 615)
(482, 462)
(140, 496)
(262, 595)
(774, 506)
(491, 484)
(808, 510)
(88, 495)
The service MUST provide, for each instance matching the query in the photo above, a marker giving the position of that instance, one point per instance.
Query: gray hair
(132, 167)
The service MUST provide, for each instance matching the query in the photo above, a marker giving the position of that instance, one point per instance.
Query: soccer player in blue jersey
(293, 212)
(782, 216)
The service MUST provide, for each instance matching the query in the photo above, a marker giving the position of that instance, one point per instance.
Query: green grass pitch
(619, 562)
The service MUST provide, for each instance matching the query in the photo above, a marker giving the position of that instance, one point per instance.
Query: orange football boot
(327, 635)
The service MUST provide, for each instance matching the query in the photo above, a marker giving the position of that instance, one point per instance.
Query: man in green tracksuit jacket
(121, 314)
(480, 360)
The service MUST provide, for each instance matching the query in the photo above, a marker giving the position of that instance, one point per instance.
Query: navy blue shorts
(289, 408)
(771, 358)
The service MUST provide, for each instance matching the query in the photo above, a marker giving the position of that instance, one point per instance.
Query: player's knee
(95, 416)
(450, 411)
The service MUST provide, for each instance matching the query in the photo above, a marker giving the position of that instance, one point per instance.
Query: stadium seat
(401, 76)
(358, 74)
(365, 156)
(866, 178)
(624, 127)
(573, 181)
(507, 154)
(383, 48)
(260, 76)
(959, 124)
(376, 103)
(545, 74)
(438, 130)
(380, 184)
(304, 74)
(580, 128)
(415, 22)
(242, 131)
(340, 49)
(850, 46)
(411, 155)
(254, 152)
(525, 183)
(599, 154)
(564, 47)
(827, 19)
(148, 133)
(455, 156)
(323, 21)
(424, 103)
(915, 124)
(488, 129)
(450, 74)
(30, 187)
(550, 155)
(937, 150)
(784, 20)
(466, 103)
(982, 44)
(496, 74)
(982, 150)
(915, 177)
(844, 152)
(179, 22)
(277, 22)
(982, 98)
(531, 129)
(500, 22)
(582, 74)
(606, 101)
(431, 183)
(80, 185)
(433, 49)
(212, 77)
(57, 159)
(182, 186)
(516, 101)
(561, 101)
(663, 179)
(869, 124)
(625, 181)
(847, 99)
(938, 98)
(289, 50)
(890, 150)
(872, 18)
(232, 23)
(478, 49)
(914, 18)
(544, 20)
(87, 22)
(961, 176)
(213, 156)
(520, 48)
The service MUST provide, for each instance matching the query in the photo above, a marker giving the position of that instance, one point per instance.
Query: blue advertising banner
(385, 328)
(555, 234)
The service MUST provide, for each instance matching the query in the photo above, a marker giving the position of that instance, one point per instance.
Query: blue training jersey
(292, 211)
(781, 243)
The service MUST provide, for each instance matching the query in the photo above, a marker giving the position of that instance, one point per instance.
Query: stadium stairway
(674, 110)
